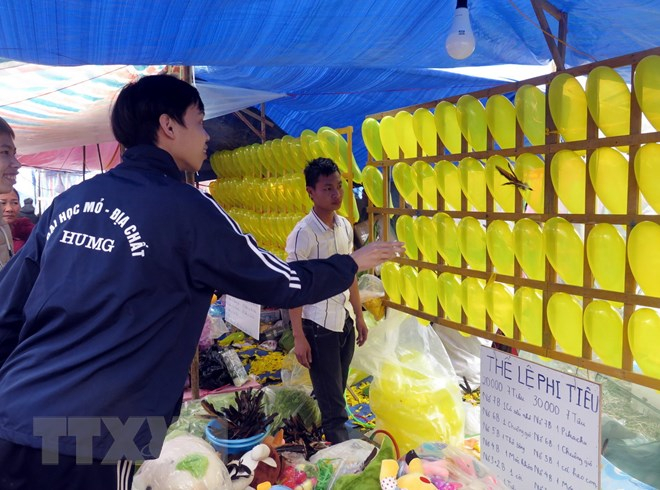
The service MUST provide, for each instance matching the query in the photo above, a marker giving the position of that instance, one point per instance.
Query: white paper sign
(540, 428)
(243, 315)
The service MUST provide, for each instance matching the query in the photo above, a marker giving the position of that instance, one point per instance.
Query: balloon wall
(262, 186)
(530, 214)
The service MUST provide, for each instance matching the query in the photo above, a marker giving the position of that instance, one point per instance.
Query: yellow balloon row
(607, 169)
(606, 98)
(286, 155)
(270, 230)
(273, 194)
(602, 324)
(530, 244)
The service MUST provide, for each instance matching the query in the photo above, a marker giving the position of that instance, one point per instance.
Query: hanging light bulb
(460, 42)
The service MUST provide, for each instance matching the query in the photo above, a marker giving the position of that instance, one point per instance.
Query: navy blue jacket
(103, 307)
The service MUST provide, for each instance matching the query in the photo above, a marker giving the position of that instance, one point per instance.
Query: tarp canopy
(334, 61)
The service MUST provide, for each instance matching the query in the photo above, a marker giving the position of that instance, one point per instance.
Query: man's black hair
(5, 128)
(318, 167)
(137, 110)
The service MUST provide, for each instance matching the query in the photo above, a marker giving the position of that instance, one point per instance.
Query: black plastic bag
(212, 370)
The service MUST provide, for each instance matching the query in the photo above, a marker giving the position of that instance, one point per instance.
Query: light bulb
(460, 42)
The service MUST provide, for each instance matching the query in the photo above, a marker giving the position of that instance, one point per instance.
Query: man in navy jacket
(103, 306)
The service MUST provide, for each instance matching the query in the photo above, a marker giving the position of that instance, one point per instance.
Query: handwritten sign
(540, 428)
(243, 315)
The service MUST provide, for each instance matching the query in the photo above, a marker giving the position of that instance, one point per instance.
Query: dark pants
(21, 468)
(332, 353)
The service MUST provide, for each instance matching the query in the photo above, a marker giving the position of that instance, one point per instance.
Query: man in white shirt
(324, 332)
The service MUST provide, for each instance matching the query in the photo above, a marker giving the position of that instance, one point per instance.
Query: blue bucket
(232, 446)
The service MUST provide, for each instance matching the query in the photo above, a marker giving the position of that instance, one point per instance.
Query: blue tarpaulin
(334, 61)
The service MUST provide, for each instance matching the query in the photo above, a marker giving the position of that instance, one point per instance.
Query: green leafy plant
(245, 418)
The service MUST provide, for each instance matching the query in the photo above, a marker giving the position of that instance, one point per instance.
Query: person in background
(103, 307)
(10, 205)
(9, 166)
(324, 332)
(27, 211)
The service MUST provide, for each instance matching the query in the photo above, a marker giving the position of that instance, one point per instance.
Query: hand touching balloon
(376, 253)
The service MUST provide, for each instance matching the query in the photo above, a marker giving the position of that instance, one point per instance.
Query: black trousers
(332, 353)
(21, 468)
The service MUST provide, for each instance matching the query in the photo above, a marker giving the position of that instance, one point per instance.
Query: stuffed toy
(369, 478)
(413, 480)
(243, 471)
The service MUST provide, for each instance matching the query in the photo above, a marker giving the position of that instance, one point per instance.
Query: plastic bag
(346, 458)
(372, 294)
(214, 326)
(185, 463)
(414, 394)
(370, 287)
(295, 374)
(212, 370)
(446, 464)
(464, 354)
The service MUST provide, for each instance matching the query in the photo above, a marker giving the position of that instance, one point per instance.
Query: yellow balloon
(606, 253)
(408, 286)
(424, 128)
(643, 257)
(388, 137)
(565, 321)
(371, 137)
(647, 173)
(608, 100)
(372, 180)
(406, 233)
(279, 155)
(503, 193)
(647, 88)
(316, 148)
(215, 161)
(447, 239)
(530, 112)
(427, 289)
(449, 294)
(405, 178)
(405, 134)
(426, 237)
(446, 125)
(529, 248)
(568, 172)
(530, 169)
(501, 119)
(425, 184)
(499, 305)
(564, 250)
(473, 301)
(472, 121)
(472, 242)
(644, 338)
(329, 139)
(528, 312)
(473, 182)
(447, 179)
(348, 203)
(568, 107)
(608, 172)
(499, 242)
(389, 273)
(603, 327)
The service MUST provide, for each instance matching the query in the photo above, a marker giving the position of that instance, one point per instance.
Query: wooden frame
(629, 297)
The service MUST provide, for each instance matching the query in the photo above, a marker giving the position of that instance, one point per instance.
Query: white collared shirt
(311, 238)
